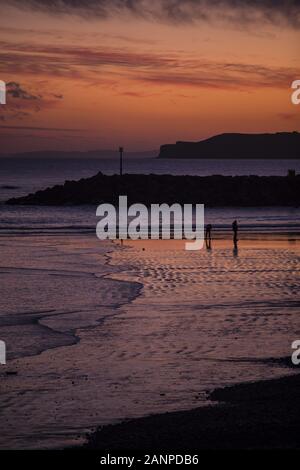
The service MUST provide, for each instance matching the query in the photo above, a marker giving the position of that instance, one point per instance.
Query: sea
(97, 332)
(19, 177)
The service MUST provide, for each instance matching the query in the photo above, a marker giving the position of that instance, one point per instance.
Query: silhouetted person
(208, 229)
(235, 233)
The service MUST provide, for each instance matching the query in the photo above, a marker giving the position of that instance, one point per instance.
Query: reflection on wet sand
(130, 330)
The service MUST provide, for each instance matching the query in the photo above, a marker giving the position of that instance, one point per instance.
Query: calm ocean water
(18, 177)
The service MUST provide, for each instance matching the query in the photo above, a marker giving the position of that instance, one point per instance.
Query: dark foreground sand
(258, 415)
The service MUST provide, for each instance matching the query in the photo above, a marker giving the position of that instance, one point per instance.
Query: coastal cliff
(282, 145)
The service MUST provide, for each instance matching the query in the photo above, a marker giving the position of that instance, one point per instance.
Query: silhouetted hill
(282, 145)
(148, 189)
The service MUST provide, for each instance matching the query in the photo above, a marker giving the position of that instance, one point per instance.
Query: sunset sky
(97, 74)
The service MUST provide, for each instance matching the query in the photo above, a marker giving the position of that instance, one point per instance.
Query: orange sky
(83, 80)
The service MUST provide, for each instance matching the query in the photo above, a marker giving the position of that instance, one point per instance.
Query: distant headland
(281, 145)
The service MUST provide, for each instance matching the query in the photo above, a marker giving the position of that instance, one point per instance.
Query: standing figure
(208, 229)
(235, 233)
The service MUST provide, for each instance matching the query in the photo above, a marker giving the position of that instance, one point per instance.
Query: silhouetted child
(235, 233)
(208, 229)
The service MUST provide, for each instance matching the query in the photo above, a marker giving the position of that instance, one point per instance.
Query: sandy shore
(159, 332)
(255, 414)
(259, 415)
(222, 241)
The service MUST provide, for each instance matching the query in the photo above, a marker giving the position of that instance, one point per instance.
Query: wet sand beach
(126, 332)
(259, 415)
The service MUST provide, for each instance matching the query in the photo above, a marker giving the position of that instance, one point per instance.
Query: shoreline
(69, 336)
(258, 414)
(261, 241)
(252, 415)
(40, 370)
(92, 423)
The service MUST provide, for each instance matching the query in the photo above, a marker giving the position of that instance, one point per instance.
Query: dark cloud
(237, 11)
(61, 56)
(22, 103)
(8, 115)
(161, 68)
(15, 90)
